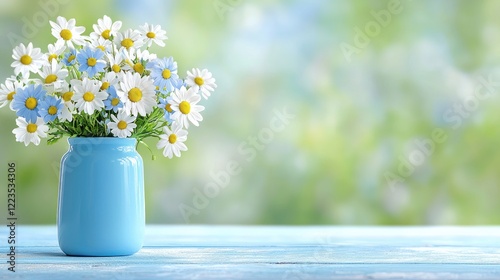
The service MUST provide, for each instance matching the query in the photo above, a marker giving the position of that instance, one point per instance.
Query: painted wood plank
(273, 252)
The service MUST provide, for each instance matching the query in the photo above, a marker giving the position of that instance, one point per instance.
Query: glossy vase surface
(101, 197)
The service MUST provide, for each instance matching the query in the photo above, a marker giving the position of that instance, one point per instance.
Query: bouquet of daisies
(107, 84)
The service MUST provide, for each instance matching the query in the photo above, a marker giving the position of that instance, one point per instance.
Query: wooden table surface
(270, 252)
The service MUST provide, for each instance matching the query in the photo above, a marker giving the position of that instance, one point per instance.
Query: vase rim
(102, 140)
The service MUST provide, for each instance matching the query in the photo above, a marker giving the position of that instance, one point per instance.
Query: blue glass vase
(101, 197)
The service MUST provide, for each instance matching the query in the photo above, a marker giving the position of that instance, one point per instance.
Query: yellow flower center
(31, 128)
(150, 35)
(135, 95)
(67, 96)
(26, 59)
(71, 58)
(52, 110)
(50, 78)
(166, 74)
(31, 103)
(115, 101)
(88, 96)
(102, 48)
(106, 34)
(10, 96)
(91, 61)
(168, 107)
(52, 56)
(185, 107)
(122, 125)
(172, 138)
(66, 34)
(199, 81)
(105, 86)
(139, 68)
(127, 43)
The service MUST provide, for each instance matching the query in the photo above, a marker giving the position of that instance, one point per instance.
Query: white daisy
(129, 39)
(88, 96)
(142, 58)
(122, 124)
(66, 93)
(173, 140)
(105, 28)
(109, 79)
(201, 81)
(184, 103)
(27, 59)
(54, 74)
(145, 55)
(102, 44)
(28, 132)
(65, 31)
(115, 61)
(67, 112)
(137, 94)
(55, 50)
(137, 54)
(69, 107)
(8, 90)
(153, 33)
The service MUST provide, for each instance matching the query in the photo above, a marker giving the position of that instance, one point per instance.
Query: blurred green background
(366, 82)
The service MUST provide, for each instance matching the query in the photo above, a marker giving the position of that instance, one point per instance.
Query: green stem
(153, 157)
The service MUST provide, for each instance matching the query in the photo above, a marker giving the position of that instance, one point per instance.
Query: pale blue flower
(179, 83)
(164, 74)
(90, 61)
(165, 106)
(113, 102)
(70, 57)
(50, 108)
(26, 102)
